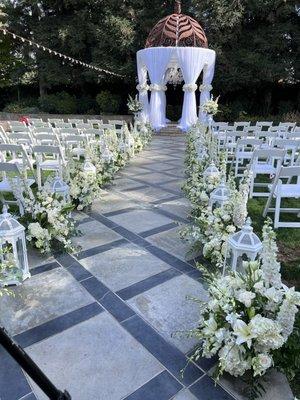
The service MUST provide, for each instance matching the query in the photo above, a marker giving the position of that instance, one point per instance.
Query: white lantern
(220, 195)
(13, 255)
(122, 146)
(211, 171)
(242, 243)
(60, 187)
(106, 155)
(89, 168)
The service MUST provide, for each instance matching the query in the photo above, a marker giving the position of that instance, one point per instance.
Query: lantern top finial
(177, 7)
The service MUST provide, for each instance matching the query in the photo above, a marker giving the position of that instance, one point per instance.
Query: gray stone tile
(35, 259)
(159, 166)
(175, 185)
(180, 207)
(112, 201)
(171, 242)
(123, 266)
(95, 234)
(125, 183)
(108, 364)
(276, 385)
(155, 177)
(167, 309)
(148, 194)
(41, 298)
(184, 395)
(140, 220)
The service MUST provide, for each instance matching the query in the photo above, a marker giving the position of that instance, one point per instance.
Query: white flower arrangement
(134, 105)
(48, 220)
(211, 106)
(246, 318)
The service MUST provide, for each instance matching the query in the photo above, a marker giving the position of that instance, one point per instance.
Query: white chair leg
(277, 211)
(39, 177)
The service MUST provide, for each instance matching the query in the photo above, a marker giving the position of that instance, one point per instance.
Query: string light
(72, 60)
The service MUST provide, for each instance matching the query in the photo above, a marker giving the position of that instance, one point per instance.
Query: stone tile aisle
(100, 323)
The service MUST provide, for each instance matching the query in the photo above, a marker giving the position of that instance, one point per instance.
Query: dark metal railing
(30, 367)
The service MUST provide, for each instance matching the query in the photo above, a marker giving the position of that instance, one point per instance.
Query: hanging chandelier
(174, 76)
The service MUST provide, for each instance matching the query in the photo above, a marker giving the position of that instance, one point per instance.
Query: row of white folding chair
(246, 147)
(286, 185)
(264, 161)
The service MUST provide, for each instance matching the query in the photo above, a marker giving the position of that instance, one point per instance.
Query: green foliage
(257, 45)
(59, 103)
(287, 359)
(108, 102)
(22, 107)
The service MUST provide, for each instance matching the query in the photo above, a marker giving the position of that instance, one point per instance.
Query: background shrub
(108, 103)
(59, 103)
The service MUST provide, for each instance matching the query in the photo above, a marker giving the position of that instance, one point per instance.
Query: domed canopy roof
(177, 30)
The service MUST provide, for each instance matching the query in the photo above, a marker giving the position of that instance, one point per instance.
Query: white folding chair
(292, 148)
(231, 138)
(48, 158)
(47, 139)
(295, 135)
(74, 121)
(34, 121)
(43, 129)
(288, 190)
(93, 134)
(63, 125)
(12, 184)
(24, 138)
(241, 125)
(264, 162)
(67, 131)
(54, 121)
(95, 122)
(267, 137)
(106, 126)
(42, 124)
(289, 125)
(75, 145)
(16, 154)
(264, 125)
(17, 126)
(3, 135)
(243, 154)
(83, 126)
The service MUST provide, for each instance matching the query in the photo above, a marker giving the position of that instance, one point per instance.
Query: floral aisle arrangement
(211, 226)
(134, 105)
(211, 107)
(48, 220)
(107, 155)
(248, 318)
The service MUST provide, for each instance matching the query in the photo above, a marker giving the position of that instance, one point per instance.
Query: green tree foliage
(257, 44)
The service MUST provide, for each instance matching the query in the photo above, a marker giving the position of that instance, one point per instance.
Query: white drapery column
(143, 88)
(205, 88)
(156, 60)
(191, 62)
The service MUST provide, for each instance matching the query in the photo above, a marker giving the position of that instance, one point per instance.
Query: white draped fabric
(205, 88)
(191, 63)
(156, 63)
(143, 89)
(191, 60)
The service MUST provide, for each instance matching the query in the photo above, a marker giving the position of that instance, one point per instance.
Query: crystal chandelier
(174, 76)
